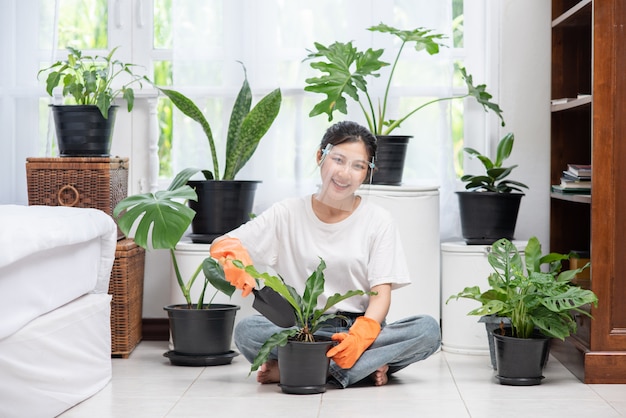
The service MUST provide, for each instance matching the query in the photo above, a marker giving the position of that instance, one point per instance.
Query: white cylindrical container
(416, 211)
(464, 266)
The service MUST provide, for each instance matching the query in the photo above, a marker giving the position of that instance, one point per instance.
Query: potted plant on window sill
(223, 202)
(346, 71)
(84, 124)
(540, 304)
(302, 360)
(201, 332)
(489, 206)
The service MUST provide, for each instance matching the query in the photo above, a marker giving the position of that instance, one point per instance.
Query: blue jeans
(399, 344)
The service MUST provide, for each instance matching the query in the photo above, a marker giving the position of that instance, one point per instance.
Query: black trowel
(274, 307)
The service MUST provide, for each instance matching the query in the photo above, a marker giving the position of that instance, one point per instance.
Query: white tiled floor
(444, 385)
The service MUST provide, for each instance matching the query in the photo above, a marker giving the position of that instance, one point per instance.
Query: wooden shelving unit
(588, 59)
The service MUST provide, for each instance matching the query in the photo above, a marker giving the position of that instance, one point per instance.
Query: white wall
(524, 94)
(521, 81)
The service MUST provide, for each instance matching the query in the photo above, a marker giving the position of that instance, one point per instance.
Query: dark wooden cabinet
(589, 68)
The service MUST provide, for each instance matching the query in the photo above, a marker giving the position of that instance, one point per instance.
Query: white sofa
(55, 336)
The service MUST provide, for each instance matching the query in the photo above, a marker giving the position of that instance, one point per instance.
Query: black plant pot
(82, 131)
(221, 207)
(488, 216)
(202, 332)
(304, 367)
(520, 361)
(492, 323)
(390, 157)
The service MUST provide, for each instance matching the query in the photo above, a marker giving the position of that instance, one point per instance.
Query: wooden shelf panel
(578, 15)
(572, 104)
(579, 198)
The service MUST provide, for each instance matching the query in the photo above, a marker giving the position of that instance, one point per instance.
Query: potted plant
(540, 304)
(489, 206)
(201, 332)
(302, 357)
(347, 70)
(223, 202)
(84, 124)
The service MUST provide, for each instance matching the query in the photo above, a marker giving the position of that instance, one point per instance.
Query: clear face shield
(343, 171)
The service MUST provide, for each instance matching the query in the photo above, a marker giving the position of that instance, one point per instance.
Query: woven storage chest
(126, 287)
(84, 182)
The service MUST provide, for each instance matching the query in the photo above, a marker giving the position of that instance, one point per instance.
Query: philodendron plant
(309, 317)
(246, 127)
(531, 297)
(161, 219)
(347, 69)
(495, 177)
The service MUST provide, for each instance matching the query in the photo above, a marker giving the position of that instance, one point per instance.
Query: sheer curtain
(271, 38)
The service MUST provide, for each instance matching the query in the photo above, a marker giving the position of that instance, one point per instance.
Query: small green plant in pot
(490, 204)
(309, 319)
(247, 126)
(161, 219)
(84, 123)
(536, 301)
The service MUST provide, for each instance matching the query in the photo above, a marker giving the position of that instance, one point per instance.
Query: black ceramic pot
(82, 131)
(303, 367)
(520, 361)
(390, 157)
(202, 332)
(488, 216)
(221, 207)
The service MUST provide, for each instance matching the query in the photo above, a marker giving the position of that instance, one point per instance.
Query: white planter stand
(416, 210)
(464, 265)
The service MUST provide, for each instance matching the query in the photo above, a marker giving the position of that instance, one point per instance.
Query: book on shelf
(580, 170)
(569, 176)
(557, 188)
(569, 183)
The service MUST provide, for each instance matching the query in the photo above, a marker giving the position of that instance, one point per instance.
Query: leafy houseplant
(347, 70)
(489, 206)
(536, 302)
(161, 218)
(89, 80)
(530, 297)
(495, 177)
(246, 128)
(84, 124)
(309, 319)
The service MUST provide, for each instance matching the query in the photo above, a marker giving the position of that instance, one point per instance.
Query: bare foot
(268, 372)
(379, 377)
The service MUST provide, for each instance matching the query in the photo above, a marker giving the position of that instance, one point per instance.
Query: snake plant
(246, 128)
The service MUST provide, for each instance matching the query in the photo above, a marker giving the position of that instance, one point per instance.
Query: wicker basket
(126, 286)
(84, 182)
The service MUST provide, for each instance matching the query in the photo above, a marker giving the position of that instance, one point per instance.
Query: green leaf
(159, 214)
(314, 287)
(345, 73)
(277, 340)
(505, 146)
(425, 39)
(253, 127)
(215, 276)
(189, 108)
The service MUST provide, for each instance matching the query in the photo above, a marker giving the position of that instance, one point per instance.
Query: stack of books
(576, 179)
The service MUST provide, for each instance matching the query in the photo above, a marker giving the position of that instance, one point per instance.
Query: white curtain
(272, 37)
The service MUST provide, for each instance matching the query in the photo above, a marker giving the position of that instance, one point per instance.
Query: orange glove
(352, 344)
(226, 250)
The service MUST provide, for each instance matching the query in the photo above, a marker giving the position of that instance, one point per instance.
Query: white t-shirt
(361, 251)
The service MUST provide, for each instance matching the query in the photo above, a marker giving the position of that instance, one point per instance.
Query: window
(194, 45)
